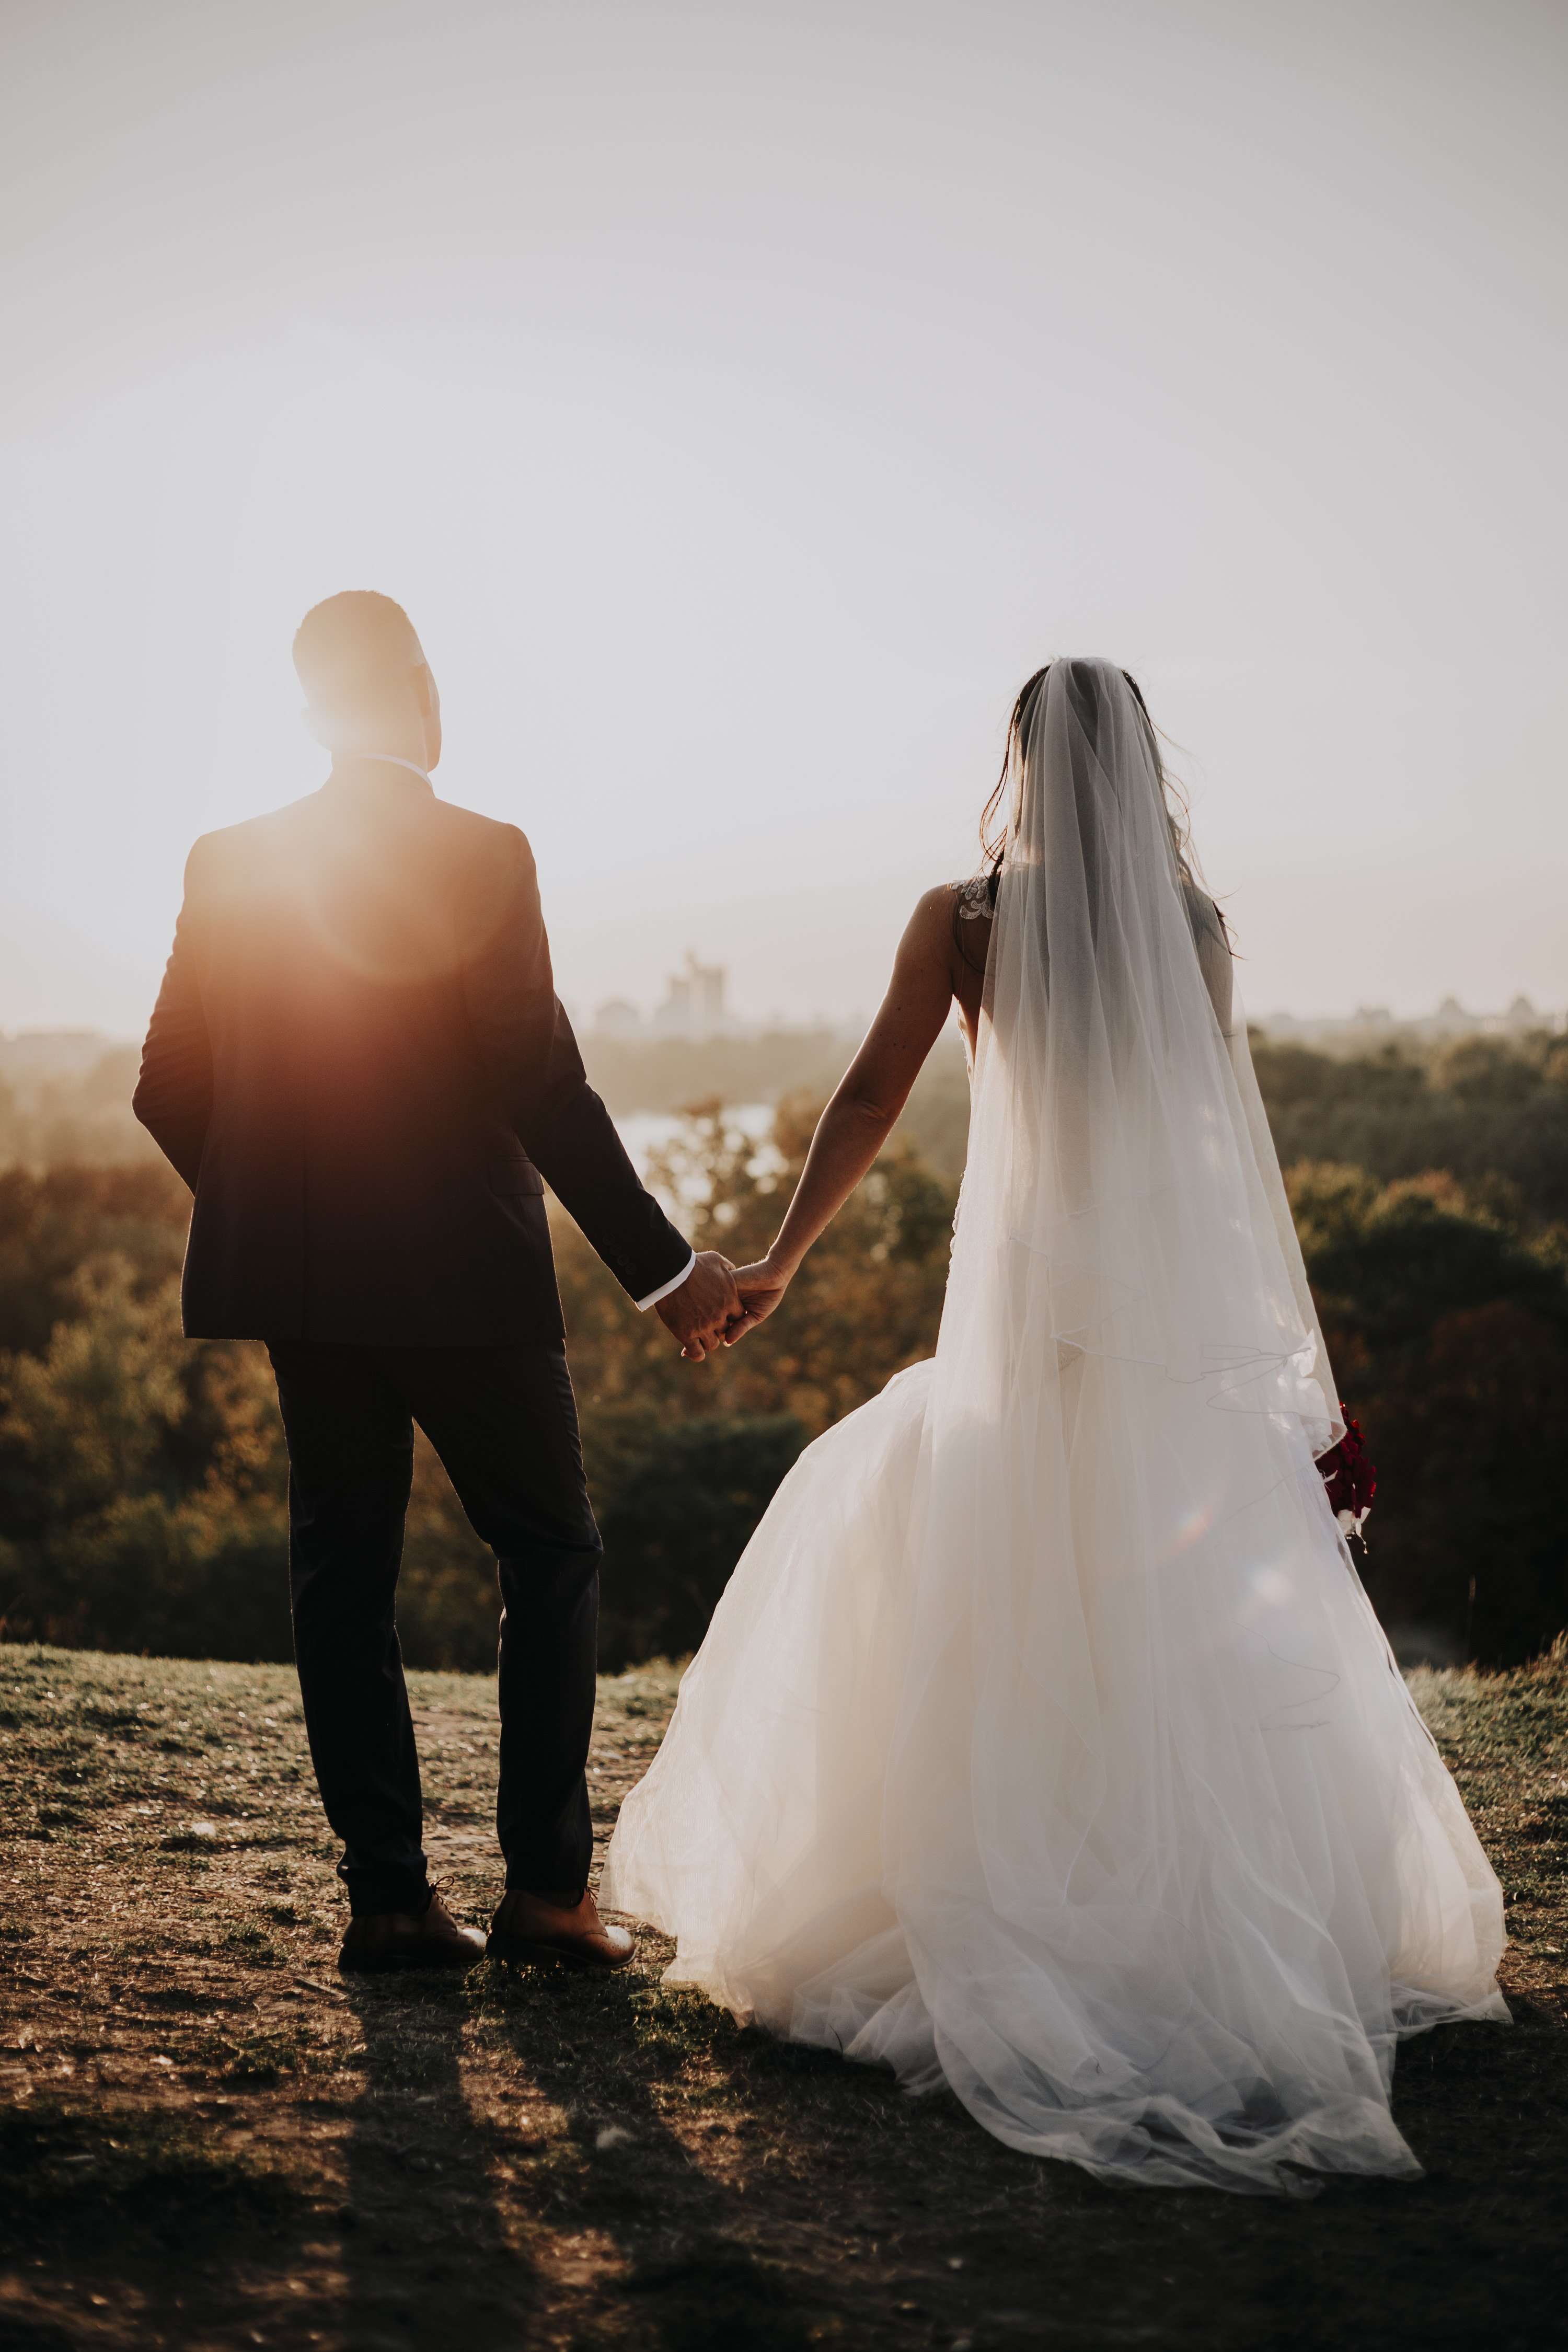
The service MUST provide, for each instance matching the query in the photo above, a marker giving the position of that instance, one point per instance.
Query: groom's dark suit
(359, 1064)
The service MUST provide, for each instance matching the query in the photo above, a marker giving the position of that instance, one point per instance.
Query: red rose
(1348, 1476)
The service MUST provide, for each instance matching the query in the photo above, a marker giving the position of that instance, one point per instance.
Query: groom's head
(367, 683)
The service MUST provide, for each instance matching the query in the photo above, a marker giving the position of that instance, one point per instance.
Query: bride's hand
(761, 1286)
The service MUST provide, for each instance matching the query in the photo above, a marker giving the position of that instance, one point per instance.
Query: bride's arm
(869, 1097)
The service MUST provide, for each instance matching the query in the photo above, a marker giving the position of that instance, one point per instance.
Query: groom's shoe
(540, 1928)
(379, 1940)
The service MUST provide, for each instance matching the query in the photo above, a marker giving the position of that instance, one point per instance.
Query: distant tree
(144, 1477)
(1447, 1322)
(867, 1302)
(141, 1482)
(1475, 1107)
(55, 1221)
(661, 1074)
(678, 1506)
(54, 1118)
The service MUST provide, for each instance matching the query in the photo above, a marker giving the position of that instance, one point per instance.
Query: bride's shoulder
(948, 936)
(963, 902)
(940, 912)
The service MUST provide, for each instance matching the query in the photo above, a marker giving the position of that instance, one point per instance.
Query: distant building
(694, 1006)
(617, 1018)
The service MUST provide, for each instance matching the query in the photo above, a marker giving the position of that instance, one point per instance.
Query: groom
(359, 1064)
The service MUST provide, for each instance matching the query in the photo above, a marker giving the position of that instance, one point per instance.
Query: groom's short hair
(354, 650)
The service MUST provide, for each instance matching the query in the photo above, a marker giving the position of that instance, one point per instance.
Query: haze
(742, 402)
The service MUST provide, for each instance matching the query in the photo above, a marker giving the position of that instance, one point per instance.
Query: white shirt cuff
(666, 1287)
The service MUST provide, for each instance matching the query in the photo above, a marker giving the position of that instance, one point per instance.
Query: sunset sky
(742, 400)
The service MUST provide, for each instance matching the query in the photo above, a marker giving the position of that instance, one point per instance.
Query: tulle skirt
(1133, 1840)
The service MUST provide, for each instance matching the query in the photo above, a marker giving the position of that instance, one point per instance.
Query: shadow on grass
(586, 2054)
(121, 2198)
(425, 2243)
(611, 2054)
(64, 2172)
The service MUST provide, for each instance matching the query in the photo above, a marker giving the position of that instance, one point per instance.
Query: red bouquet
(1348, 1476)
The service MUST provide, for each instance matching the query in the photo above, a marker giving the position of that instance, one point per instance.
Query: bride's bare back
(939, 964)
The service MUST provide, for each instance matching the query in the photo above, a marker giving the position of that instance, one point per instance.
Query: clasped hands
(719, 1303)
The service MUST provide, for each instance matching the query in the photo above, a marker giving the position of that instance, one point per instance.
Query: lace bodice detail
(974, 897)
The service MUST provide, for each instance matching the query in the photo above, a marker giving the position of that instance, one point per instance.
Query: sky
(742, 400)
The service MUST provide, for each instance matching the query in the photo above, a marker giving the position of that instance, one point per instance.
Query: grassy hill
(208, 2139)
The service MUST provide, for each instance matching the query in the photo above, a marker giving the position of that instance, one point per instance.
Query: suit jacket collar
(354, 768)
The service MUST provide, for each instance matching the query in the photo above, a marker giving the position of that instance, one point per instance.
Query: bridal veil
(1043, 1743)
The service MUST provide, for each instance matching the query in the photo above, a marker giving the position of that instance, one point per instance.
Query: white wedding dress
(1043, 1743)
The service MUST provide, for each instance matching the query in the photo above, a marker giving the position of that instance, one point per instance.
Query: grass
(208, 2139)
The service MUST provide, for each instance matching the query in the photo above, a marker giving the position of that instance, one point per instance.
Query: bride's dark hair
(1020, 727)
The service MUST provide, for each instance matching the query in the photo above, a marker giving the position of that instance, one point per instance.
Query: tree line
(143, 1480)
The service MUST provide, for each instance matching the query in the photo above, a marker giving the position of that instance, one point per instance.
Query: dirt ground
(208, 2139)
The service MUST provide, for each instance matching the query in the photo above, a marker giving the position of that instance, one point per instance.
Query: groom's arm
(528, 1048)
(173, 1096)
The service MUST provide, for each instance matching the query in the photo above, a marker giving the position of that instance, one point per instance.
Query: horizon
(1519, 1015)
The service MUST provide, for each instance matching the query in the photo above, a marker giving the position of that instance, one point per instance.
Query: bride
(1043, 1743)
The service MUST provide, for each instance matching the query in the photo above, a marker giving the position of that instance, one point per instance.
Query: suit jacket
(359, 1064)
